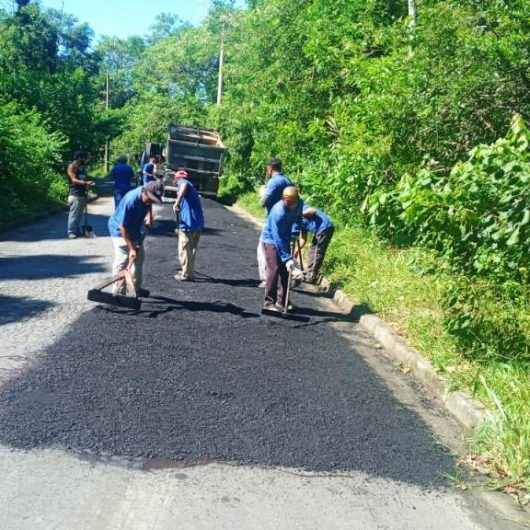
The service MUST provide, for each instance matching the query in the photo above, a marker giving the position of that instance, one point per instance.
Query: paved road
(197, 412)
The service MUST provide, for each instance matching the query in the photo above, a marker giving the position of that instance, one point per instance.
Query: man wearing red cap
(190, 223)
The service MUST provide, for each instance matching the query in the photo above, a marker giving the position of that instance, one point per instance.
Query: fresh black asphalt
(199, 375)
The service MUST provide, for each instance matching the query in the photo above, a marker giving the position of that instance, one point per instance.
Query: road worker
(271, 194)
(317, 223)
(127, 227)
(149, 170)
(276, 239)
(123, 176)
(77, 195)
(190, 219)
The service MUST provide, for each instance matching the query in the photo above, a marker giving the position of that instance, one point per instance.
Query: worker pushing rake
(276, 239)
(127, 229)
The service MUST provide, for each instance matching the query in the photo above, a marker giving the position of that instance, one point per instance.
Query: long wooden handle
(288, 292)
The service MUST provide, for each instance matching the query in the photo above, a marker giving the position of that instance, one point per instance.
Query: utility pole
(221, 66)
(107, 108)
(413, 16)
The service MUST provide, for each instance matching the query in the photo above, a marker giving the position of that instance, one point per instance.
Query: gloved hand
(296, 273)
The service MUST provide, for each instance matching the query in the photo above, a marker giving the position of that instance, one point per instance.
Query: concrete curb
(463, 407)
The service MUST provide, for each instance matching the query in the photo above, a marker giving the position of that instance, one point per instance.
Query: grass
(405, 286)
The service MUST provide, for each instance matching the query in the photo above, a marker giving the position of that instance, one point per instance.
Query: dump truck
(200, 151)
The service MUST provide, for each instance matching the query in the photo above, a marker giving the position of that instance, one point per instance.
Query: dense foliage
(399, 130)
(50, 105)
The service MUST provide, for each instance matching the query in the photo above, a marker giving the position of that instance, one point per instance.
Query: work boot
(71, 235)
(270, 306)
(181, 278)
(142, 293)
(290, 308)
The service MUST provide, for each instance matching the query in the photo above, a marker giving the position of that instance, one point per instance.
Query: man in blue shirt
(276, 238)
(315, 222)
(190, 217)
(271, 195)
(127, 230)
(149, 171)
(123, 176)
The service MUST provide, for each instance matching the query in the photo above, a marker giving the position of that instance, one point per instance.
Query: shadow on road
(17, 308)
(167, 305)
(54, 228)
(44, 266)
(232, 282)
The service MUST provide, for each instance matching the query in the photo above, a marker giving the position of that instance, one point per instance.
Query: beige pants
(121, 261)
(187, 251)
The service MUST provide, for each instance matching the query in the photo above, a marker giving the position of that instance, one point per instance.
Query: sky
(123, 18)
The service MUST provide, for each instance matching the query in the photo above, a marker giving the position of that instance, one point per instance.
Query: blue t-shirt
(130, 213)
(274, 190)
(279, 226)
(317, 224)
(122, 175)
(148, 173)
(191, 214)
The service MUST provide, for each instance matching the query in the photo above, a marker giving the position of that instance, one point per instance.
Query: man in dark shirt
(77, 196)
(123, 176)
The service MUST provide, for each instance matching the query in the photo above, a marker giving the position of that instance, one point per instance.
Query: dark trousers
(276, 291)
(317, 252)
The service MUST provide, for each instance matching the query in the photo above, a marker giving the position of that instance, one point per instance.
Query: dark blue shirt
(122, 175)
(191, 215)
(148, 173)
(274, 189)
(130, 213)
(279, 226)
(316, 224)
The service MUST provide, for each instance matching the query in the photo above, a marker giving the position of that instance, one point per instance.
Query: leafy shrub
(490, 322)
(478, 216)
(29, 158)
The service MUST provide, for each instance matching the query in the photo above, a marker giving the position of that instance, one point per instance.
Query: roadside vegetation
(413, 136)
(416, 141)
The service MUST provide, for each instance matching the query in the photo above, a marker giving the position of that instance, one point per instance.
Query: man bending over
(127, 230)
(276, 238)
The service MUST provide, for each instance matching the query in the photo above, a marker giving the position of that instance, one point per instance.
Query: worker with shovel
(272, 193)
(127, 230)
(190, 224)
(317, 223)
(276, 238)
